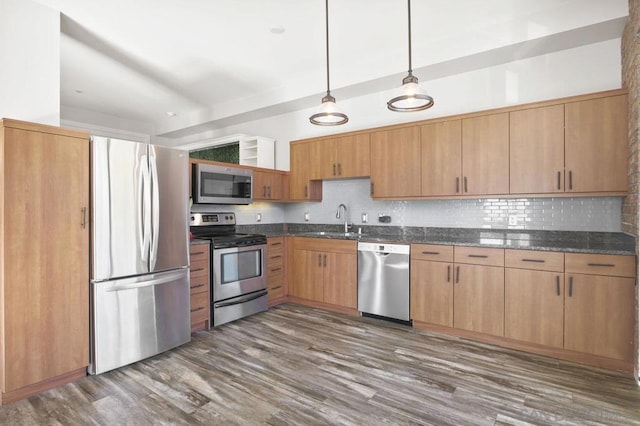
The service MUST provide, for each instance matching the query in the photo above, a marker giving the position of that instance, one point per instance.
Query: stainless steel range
(238, 279)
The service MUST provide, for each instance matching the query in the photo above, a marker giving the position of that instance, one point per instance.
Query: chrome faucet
(346, 218)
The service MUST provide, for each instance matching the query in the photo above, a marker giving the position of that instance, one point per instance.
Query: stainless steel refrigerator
(139, 252)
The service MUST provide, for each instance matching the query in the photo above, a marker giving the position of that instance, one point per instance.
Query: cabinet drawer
(275, 292)
(274, 280)
(536, 260)
(275, 257)
(275, 269)
(325, 244)
(479, 256)
(437, 253)
(199, 307)
(199, 284)
(275, 243)
(199, 268)
(199, 252)
(600, 264)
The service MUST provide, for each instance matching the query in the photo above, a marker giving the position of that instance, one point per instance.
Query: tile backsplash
(596, 214)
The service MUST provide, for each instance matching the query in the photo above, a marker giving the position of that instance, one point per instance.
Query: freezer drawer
(135, 318)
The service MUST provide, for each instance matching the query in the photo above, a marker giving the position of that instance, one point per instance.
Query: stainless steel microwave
(213, 184)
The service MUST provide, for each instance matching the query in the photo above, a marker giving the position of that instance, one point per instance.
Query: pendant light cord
(326, 4)
(409, 19)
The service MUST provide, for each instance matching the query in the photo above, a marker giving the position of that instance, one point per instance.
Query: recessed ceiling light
(171, 113)
(276, 29)
(78, 91)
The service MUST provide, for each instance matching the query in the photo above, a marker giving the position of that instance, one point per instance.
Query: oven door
(238, 271)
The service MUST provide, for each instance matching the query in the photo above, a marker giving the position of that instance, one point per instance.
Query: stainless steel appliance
(238, 279)
(212, 184)
(139, 252)
(383, 280)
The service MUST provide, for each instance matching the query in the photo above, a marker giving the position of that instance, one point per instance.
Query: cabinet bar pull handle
(448, 273)
(197, 286)
(325, 260)
(198, 269)
(277, 287)
(197, 309)
(559, 175)
(431, 252)
(339, 169)
(371, 188)
(275, 244)
(334, 169)
(558, 285)
(457, 274)
(534, 260)
(603, 265)
(306, 191)
(84, 218)
(275, 257)
(570, 286)
(465, 184)
(319, 260)
(264, 191)
(276, 269)
(479, 256)
(269, 195)
(457, 185)
(199, 253)
(570, 180)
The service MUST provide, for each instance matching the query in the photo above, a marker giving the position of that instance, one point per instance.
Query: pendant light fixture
(413, 97)
(328, 114)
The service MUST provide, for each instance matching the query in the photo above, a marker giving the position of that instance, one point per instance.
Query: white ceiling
(215, 62)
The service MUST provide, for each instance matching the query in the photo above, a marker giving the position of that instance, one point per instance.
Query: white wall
(586, 69)
(30, 71)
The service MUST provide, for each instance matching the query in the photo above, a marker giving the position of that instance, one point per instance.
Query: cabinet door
(46, 284)
(599, 315)
(261, 182)
(299, 176)
(307, 275)
(395, 163)
(340, 279)
(432, 292)
(441, 158)
(353, 156)
(596, 145)
(478, 298)
(323, 163)
(536, 155)
(534, 306)
(485, 155)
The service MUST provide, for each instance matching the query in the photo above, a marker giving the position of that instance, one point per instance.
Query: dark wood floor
(297, 365)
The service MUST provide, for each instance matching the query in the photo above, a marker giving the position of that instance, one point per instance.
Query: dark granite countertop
(566, 241)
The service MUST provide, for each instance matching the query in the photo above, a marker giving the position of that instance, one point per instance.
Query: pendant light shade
(412, 96)
(329, 115)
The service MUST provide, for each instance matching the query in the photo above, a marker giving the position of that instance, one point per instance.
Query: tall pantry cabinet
(44, 257)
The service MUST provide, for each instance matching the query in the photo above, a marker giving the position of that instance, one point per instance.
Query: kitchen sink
(331, 234)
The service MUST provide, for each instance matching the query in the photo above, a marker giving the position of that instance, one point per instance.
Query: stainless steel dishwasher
(383, 280)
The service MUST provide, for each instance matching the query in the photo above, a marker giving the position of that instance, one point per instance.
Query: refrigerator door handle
(167, 278)
(155, 208)
(146, 209)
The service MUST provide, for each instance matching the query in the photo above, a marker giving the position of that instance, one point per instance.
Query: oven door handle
(243, 299)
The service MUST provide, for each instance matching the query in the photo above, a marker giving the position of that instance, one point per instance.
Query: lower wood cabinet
(478, 297)
(276, 282)
(432, 284)
(200, 278)
(325, 271)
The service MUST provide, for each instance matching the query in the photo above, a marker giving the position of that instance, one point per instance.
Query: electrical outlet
(513, 220)
(365, 217)
(258, 217)
(307, 217)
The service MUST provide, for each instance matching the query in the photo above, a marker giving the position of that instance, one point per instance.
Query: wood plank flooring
(299, 365)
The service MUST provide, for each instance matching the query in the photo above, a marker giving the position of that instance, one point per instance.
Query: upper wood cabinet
(300, 186)
(441, 145)
(537, 150)
(339, 158)
(596, 145)
(267, 185)
(45, 257)
(485, 155)
(396, 163)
